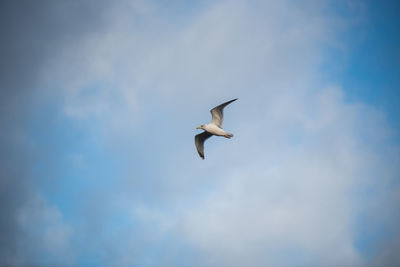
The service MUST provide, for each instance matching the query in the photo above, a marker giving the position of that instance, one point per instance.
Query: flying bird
(213, 128)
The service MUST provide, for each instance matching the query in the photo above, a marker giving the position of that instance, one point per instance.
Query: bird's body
(215, 130)
(212, 128)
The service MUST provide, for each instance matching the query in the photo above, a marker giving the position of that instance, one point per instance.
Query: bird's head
(200, 127)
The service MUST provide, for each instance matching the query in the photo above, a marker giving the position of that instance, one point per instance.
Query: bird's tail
(229, 135)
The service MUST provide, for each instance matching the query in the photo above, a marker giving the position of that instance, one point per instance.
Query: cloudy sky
(99, 103)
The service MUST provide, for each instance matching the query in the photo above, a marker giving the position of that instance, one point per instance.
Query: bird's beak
(198, 128)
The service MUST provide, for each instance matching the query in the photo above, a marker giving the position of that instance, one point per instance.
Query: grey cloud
(270, 65)
(303, 148)
(32, 33)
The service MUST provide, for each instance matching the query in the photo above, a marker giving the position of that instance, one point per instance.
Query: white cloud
(285, 193)
(46, 236)
(226, 48)
(293, 199)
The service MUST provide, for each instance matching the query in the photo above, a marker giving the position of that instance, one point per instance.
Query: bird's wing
(217, 113)
(199, 141)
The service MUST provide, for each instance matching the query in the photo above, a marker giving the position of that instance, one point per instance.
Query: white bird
(213, 128)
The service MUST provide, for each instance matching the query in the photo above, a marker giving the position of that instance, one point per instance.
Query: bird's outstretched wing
(199, 141)
(217, 113)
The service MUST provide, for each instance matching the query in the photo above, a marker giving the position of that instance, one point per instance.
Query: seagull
(213, 128)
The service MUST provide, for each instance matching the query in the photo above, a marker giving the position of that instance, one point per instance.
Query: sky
(99, 102)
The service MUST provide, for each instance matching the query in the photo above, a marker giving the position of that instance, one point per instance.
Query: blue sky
(373, 60)
(99, 106)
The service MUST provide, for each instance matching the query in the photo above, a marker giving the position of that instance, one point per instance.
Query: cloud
(298, 197)
(304, 150)
(305, 169)
(32, 33)
(43, 225)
